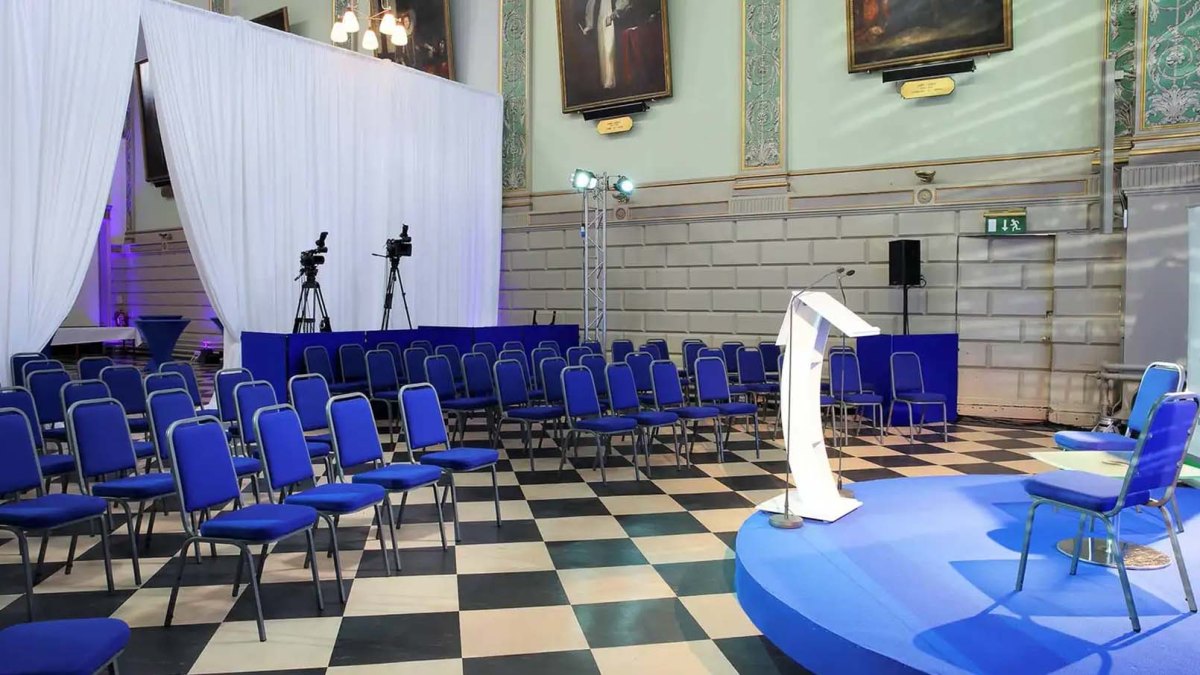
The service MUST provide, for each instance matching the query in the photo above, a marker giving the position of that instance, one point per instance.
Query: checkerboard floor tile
(632, 576)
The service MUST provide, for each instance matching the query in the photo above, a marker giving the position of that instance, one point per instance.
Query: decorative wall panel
(514, 86)
(762, 84)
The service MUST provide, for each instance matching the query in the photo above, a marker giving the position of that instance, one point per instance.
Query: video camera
(401, 247)
(311, 258)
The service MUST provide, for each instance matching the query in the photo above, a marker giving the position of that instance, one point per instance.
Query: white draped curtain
(272, 139)
(65, 72)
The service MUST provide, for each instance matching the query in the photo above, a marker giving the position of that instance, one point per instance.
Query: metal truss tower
(594, 232)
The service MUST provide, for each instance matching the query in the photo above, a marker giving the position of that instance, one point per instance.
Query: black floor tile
(290, 600)
(1000, 455)
(413, 562)
(759, 482)
(349, 539)
(565, 508)
(859, 475)
(637, 622)
(48, 606)
(550, 663)
(917, 449)
(210, 572)
(892, 461)
(12, 577)
(487, 494)
(517, 589)
(698, 578)
(756, 655)
(486, 532)
(982, 469)
(568, 475)
(712, 500)
(598, 553)
(162, 545)
(156, 650)
(401, 637)
(626, 487)
(653, 524)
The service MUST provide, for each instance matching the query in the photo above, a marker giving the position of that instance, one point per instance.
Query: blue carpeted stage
(921, 579)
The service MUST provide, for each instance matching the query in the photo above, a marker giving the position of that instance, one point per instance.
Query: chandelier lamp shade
(387, 26)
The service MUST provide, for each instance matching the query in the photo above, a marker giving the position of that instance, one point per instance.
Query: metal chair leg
(337, 561)
(312, 552)
(441, 518)
(392, 532)
(183, 555)
(945, 422)
(262, 627)
(1178, 518)
(133, 553)
(496, 494)
(757, 446)
(1078, 543)
(1183, 573)
(1114, 545)
(1025, 546)
(454, 508)
(23, 546)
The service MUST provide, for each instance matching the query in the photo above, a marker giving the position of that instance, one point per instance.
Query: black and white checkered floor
(628, 577)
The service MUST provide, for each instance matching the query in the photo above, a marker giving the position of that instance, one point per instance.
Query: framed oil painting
(892, 33)
(430, 43)
(612, 52)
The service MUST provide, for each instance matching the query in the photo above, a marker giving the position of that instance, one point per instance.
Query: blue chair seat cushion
(339, 497)
(735, 388)
(826, 400)
(1082, 489)
(400, 476)
(246, 466)
(696, 412)
(607, 425)
(862, 398)
(64, 646)
(56, 465)
(318, 448)
(143, 449)
(138, 425)
(762, 387)
(536, 413)
(50, 510)
(55, 434)
(143, 486)
(921, 396)
(259, 522)
(461, 459)
(469, 403)
(537, 394)
(736, 408)
(320, 438)
(1094, 440)
(654, 418)
(389, 395)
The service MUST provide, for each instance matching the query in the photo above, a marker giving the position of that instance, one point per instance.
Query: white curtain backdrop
(272, 139)
(65, 71)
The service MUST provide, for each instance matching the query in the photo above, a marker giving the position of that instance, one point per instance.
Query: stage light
(624, 187)
(370, 42)
(350, 21)
(583, 180)
(338, 34)
(387, 25)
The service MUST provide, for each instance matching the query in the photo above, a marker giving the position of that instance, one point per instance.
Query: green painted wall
(694, 134)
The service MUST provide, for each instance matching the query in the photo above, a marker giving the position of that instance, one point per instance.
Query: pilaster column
(514, 87)
(762, 181)
(1168, 77)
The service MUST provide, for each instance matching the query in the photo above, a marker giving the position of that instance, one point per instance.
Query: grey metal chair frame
(910, 404)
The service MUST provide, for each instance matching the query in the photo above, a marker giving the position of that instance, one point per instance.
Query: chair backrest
(226, 382)
(621, 349)
(730, 349)
(550, 344)
(18, 455)
(161, 381)
(510, 383)
(381, 372)
(477, 371)
(595, 363)
(512, 345)
(440, 375)
(125, 383)
(1158, 379)
(18, 362)
(414, 364)
(393, 348)
(576, 354)
(659, 349)
(184, 369)
(309, 394)
(520, 357)
(691, 351)
(38, 365)
(21, 399)
(46, 387)
(712, 380)
(316, 361)
(668, 391)
(751, 369)
(352, 427)
(594, 346)
(579, 392)
(552, 368)
(90, 366)
(844, 376)
(82, 390)
(283, 448)
(622, 391)
(488, 349)
(770, 355)
(250, 397)
(454, 357)
(202, 465)
(1158, 457)
(99, 433)
(422, 415)
(353, 359)
(165, 408)
(422, 344)
(906, 371)
(536, 357)
(639, 364)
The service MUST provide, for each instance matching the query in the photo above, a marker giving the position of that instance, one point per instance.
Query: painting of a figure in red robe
(893, 33)
(613, 52)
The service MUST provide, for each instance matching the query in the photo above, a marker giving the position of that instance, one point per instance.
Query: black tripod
(393, 277)
(311, 302)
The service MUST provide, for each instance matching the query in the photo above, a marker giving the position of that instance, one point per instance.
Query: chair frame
(844, 407)
(1112, 529)
(392, 405)
(550, 344)
(603, 438)
(18, 374)
(197, 399)
(688, 441)
(728, 419)
(910, 404)
(79, 365)
(525, 424)
(644, 431)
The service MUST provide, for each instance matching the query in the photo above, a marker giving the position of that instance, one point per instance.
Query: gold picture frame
(976, 28)
(423, 51)
(635, 64)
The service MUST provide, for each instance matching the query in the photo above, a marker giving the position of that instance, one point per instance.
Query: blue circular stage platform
(920, 578)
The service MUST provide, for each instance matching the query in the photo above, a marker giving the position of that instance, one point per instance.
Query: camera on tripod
(312, 302)
(400, 247)
(394, 250)
(311, 258)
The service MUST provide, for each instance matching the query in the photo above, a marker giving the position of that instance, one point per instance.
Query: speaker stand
(906, 309)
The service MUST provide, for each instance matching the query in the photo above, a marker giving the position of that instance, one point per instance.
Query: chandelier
(388, 25)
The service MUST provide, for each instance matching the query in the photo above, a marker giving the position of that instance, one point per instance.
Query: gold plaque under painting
(615, 125)
(936, 86)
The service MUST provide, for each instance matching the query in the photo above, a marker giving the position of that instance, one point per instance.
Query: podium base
(783, 521)
(828, 509)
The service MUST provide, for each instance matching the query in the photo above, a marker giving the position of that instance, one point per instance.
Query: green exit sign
(1005, 223)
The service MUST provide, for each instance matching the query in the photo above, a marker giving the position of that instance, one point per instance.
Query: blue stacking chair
(287, 468)
(414, 364)
(317, 362)
(383, 385)
(595, 363)
(424, 428)
(103, 447)
(623, 395)
(32, 366)
(397, 353)
(535, 392)
(52, 465)
(82, 646)
(621, 349)
(691, 352)
(90, 366)
(512, 345)
(846, 387)
(455, 358)
(477, 374)
(712, 388)
(908, 387)
(225, 382)
(552, 368)
(586, 416)
(516, 405)
(205, 482)
(20, 473)
(46, 388)
(92, 390)
(161, 381)
(752, 377)
(1154, 468)
(252, 396)
(658, 348)
(125, 383)
(576, 354)
(1158, 379)
(535, 365)
(593, 346)
(771, 354)
(461, 408)
(488, 349)
(729, 350)
(551, 345)
(185, 370)
(353, 361)
(422, 344)
(309, 395)
(356, 444)
(17, 363)
(639, 363)
(668, 395)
